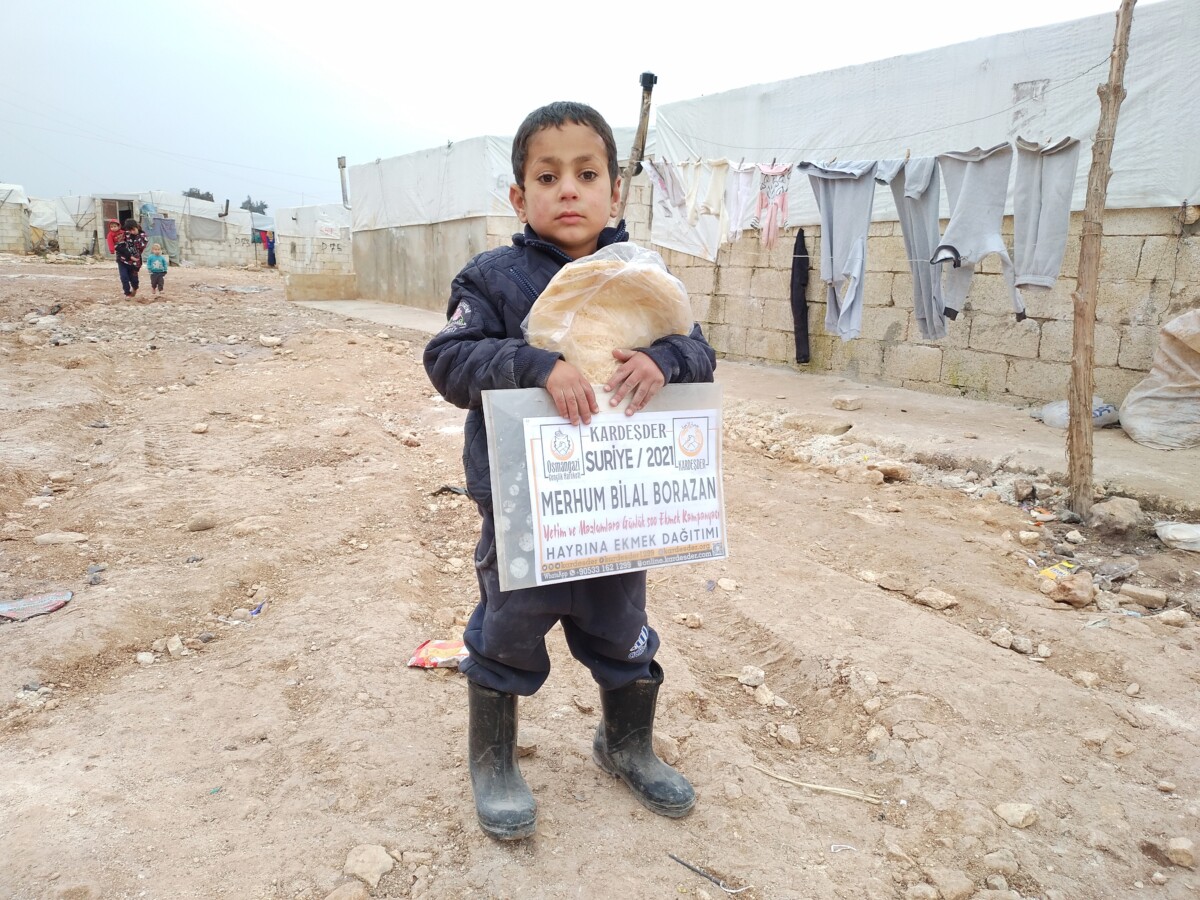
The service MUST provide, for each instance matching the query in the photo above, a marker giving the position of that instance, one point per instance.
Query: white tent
(330, 222)
(1039, 84)
(459, 181)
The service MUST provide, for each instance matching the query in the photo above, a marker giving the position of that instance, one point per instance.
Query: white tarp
(62, 212)
(327, 221)
(460, 181)
(13, 194)
(1039, 84)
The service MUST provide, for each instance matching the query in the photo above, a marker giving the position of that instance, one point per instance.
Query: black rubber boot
(624, 747)
(506, 808)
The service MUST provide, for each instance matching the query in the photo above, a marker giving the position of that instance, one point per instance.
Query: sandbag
(1163, 409)
(621, 296)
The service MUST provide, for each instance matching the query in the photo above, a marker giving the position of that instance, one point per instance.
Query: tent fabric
(199, 228)
(462, 180)
(1039, 84)
(329, 221)
(13, 194)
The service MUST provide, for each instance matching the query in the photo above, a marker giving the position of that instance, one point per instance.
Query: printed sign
(619, 494)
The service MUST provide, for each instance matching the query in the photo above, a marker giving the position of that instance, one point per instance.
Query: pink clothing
(771, 212)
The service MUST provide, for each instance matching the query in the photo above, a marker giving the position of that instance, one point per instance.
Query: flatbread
(593, 306)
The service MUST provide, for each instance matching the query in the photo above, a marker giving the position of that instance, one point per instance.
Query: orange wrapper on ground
(622, 296)
(439, 655)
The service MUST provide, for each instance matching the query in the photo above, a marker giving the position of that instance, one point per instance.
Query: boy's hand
(639, 374)
(572, 393)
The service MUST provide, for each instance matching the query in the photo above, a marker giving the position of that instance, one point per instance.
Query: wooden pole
(1083, 343)
(649, 80)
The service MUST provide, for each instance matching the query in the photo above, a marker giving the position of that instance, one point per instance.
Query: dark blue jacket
(483, 348)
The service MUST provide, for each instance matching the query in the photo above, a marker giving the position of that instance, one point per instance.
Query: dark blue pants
(604, 620)
(129, 277)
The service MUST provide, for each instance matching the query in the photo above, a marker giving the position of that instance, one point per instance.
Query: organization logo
(691, 440)
(560, 452)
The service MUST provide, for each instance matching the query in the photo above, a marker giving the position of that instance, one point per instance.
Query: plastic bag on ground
(1163, 409)
(1179, 535)
(622, 296)
(1056, 414)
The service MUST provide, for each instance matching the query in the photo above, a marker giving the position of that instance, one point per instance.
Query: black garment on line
(799, 296)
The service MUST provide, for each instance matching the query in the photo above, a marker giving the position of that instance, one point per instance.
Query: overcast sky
(261, 98)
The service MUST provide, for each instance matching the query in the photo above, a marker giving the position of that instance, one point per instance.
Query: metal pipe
(342, 175)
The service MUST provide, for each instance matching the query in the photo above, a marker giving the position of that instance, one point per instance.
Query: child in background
(114, 235)
(129, 256)
(567, 188)
(156, 265)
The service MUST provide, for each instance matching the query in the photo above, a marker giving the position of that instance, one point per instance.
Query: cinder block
(1057, 338)
(748, 252)
(877, 289)
(883, 229)
(718, 337)
(980, 374)
(1138, 343)
(887, 254)
(1119, 257)
(701, 306)
(1057, 303)
(1033, 379)
(857, 359)
(902, 289)
(1004, 334)
(773, 346)
(1188, 261)
(734, 280)
(737, 341)
(777, 314)
(716, 309)
(744, 311)
(781, 254)
(770, 284)
(1113, 384)
(1138, 222)
(1157, 259)
(958, 332)
(1070, 260)
(926, 387)
(820, 348)
(912, 362)
(884, 323)
(699, 279)
(1132, 302)
(989, 294)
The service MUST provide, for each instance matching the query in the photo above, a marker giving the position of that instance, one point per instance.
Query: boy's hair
(556, 115)
(156, 248)
(130, 223)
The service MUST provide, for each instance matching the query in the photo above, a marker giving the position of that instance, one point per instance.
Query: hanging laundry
(845, 194)
(741, 198)
(713, 174)
(1042, 209)
(691, 180)
(770, 213)
(976, 186)
(799, 293)
(659, 188)
(916, 188)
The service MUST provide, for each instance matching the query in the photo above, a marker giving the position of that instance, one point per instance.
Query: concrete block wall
(14, 229)
(236, 250)
(1150, 272)
(314, 255)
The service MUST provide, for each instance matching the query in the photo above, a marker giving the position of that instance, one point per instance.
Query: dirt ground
(250, 761)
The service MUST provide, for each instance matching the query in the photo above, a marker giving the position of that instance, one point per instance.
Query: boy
(129, 256)
(567, 188)
(156, 265)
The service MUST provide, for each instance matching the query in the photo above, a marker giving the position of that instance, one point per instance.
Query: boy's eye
(589, 175)
(545, 178)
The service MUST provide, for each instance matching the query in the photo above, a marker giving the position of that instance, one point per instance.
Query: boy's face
(568, 196)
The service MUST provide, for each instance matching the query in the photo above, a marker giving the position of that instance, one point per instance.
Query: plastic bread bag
(622, 296)
(438, 655)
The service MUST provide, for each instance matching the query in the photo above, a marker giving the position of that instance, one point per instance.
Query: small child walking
(129, 250)
(156, 265)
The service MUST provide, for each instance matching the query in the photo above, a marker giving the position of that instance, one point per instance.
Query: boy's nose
(568, 187)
